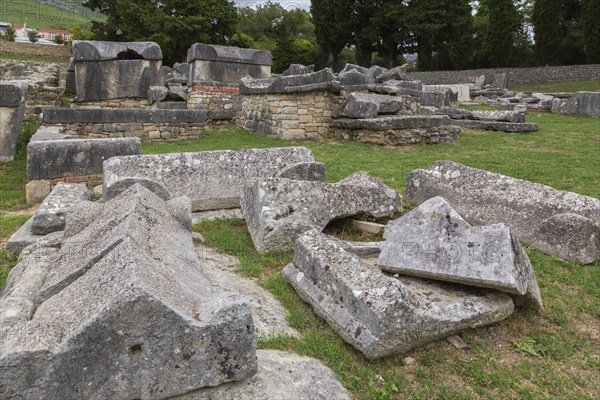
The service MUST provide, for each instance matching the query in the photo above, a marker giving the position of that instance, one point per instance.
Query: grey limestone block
(51, 214)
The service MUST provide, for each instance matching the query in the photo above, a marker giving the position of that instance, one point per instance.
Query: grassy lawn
(40, 15)
(581, 86)
(531, 355)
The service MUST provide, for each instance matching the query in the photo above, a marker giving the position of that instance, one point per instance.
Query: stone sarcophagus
(222, 64)
(115, 70)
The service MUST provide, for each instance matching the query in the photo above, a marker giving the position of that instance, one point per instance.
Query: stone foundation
(147, 132)
(404, 137)
(113, 103)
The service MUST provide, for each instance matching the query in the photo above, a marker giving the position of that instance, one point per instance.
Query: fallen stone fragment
(363, 105)
(123, 312)
(213, 180)
(502, 116)
(22, 238)
(280, 376)
(497, 125)
(50, 215)
(581, 103)
(278, 210)
(268, 314)
(157, 94)
(298, 69)
(433, 241)
(307, 171)
(564, 224)
(381, 315)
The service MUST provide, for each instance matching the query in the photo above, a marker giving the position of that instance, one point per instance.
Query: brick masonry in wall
(515, 76)
(147, 132)
(214, 98)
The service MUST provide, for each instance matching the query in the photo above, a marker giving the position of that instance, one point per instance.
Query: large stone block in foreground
(122, 311)
(12, 112)
(560, 223)
(581, 103)
(277, 211)
(433, 241)
(381, 315)
(211, 179)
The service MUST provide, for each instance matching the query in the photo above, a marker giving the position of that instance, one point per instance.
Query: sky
(288, 4)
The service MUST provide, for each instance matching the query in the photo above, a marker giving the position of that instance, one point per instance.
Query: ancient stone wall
(215, 98)
(515, 76)
(147, 132)
(33, 49)
(113, 103)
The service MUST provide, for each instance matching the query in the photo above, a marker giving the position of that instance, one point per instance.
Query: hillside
(47, 13)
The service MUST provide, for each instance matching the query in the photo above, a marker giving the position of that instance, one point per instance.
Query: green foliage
(241, 40)
(80, 33)
(32, 35)
(526, 346)
(11, 33)
(59, 39)
(333, 26)
(44, 14)
(591, 29)
(547, 30)
(174, 24)
(504, 23)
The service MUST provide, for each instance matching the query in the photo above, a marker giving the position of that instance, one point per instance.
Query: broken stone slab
(139, 321)
(268, 314)
(213, 180)
(540, 216)
(177, 92)
(280, 376)
(211, 215)
(94, 50)
(123, 184)
(12, 113)
(396, 73)
(436, 99)
(511, 127)
(157, 94)
(278, 210)
(352, 80)
(503, 116)
(380, 315)
(363, 105)
(393, 122)
(298, 69)
(308, 171)
(433, 241)
(350, 67)
(21, 239)
(320, 80)
(454, 113)
(51, 214)
(373, 73)
(581, 103)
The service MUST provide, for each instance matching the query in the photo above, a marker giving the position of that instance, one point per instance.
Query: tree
(459, 33)
(504, 25)
(547, 30)
(11, 33)
(427, 20)
(174, 24)
(591, 29)
(80, 33)
(333, 25)
(32, 35)
(59, 39)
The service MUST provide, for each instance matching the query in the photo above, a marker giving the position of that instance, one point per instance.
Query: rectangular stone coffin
(12, 112)
(212, 63)
(49, 159)
(121, 311)
(211, 179)
(115, 70)
(564, 224)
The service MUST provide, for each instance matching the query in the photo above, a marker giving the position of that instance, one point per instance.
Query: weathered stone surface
(433, 241)
(454, 113)
(307, 171)
(511, 127)
(268, 314)
(504, 116)
(92, 50)
(352, 80)
(393, 122)
(51, 214)
(280, 376)
(298, 69)
(212, 63)
(373, 73)
(396, 73)
(75, 157)
(211, 215)
(12, 113)
(349, 67)
(108, 116)
(23, 238)
(278, 210)
(380, 315)
(582, 103)
(463, 93)
(540, 216)
(436, 99)
(177, 92)
(36, 191)
(122, 185)
(212, 179)
(320, 80)
(80, 216)
(49, 132)
(116, 79)
(157, 94)
(70, 84)
(180, 73)
(124, 312)
(363, 105)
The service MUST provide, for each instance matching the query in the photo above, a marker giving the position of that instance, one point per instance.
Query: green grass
(40, 15)
(20, 57)
(580, 86)
(531, 355)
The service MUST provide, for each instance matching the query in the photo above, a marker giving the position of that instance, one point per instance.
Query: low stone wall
(114, 103)
(290, 115)
(404, 137)
(515, 76)
(148, 132)
(212, 98)
(35, 49)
